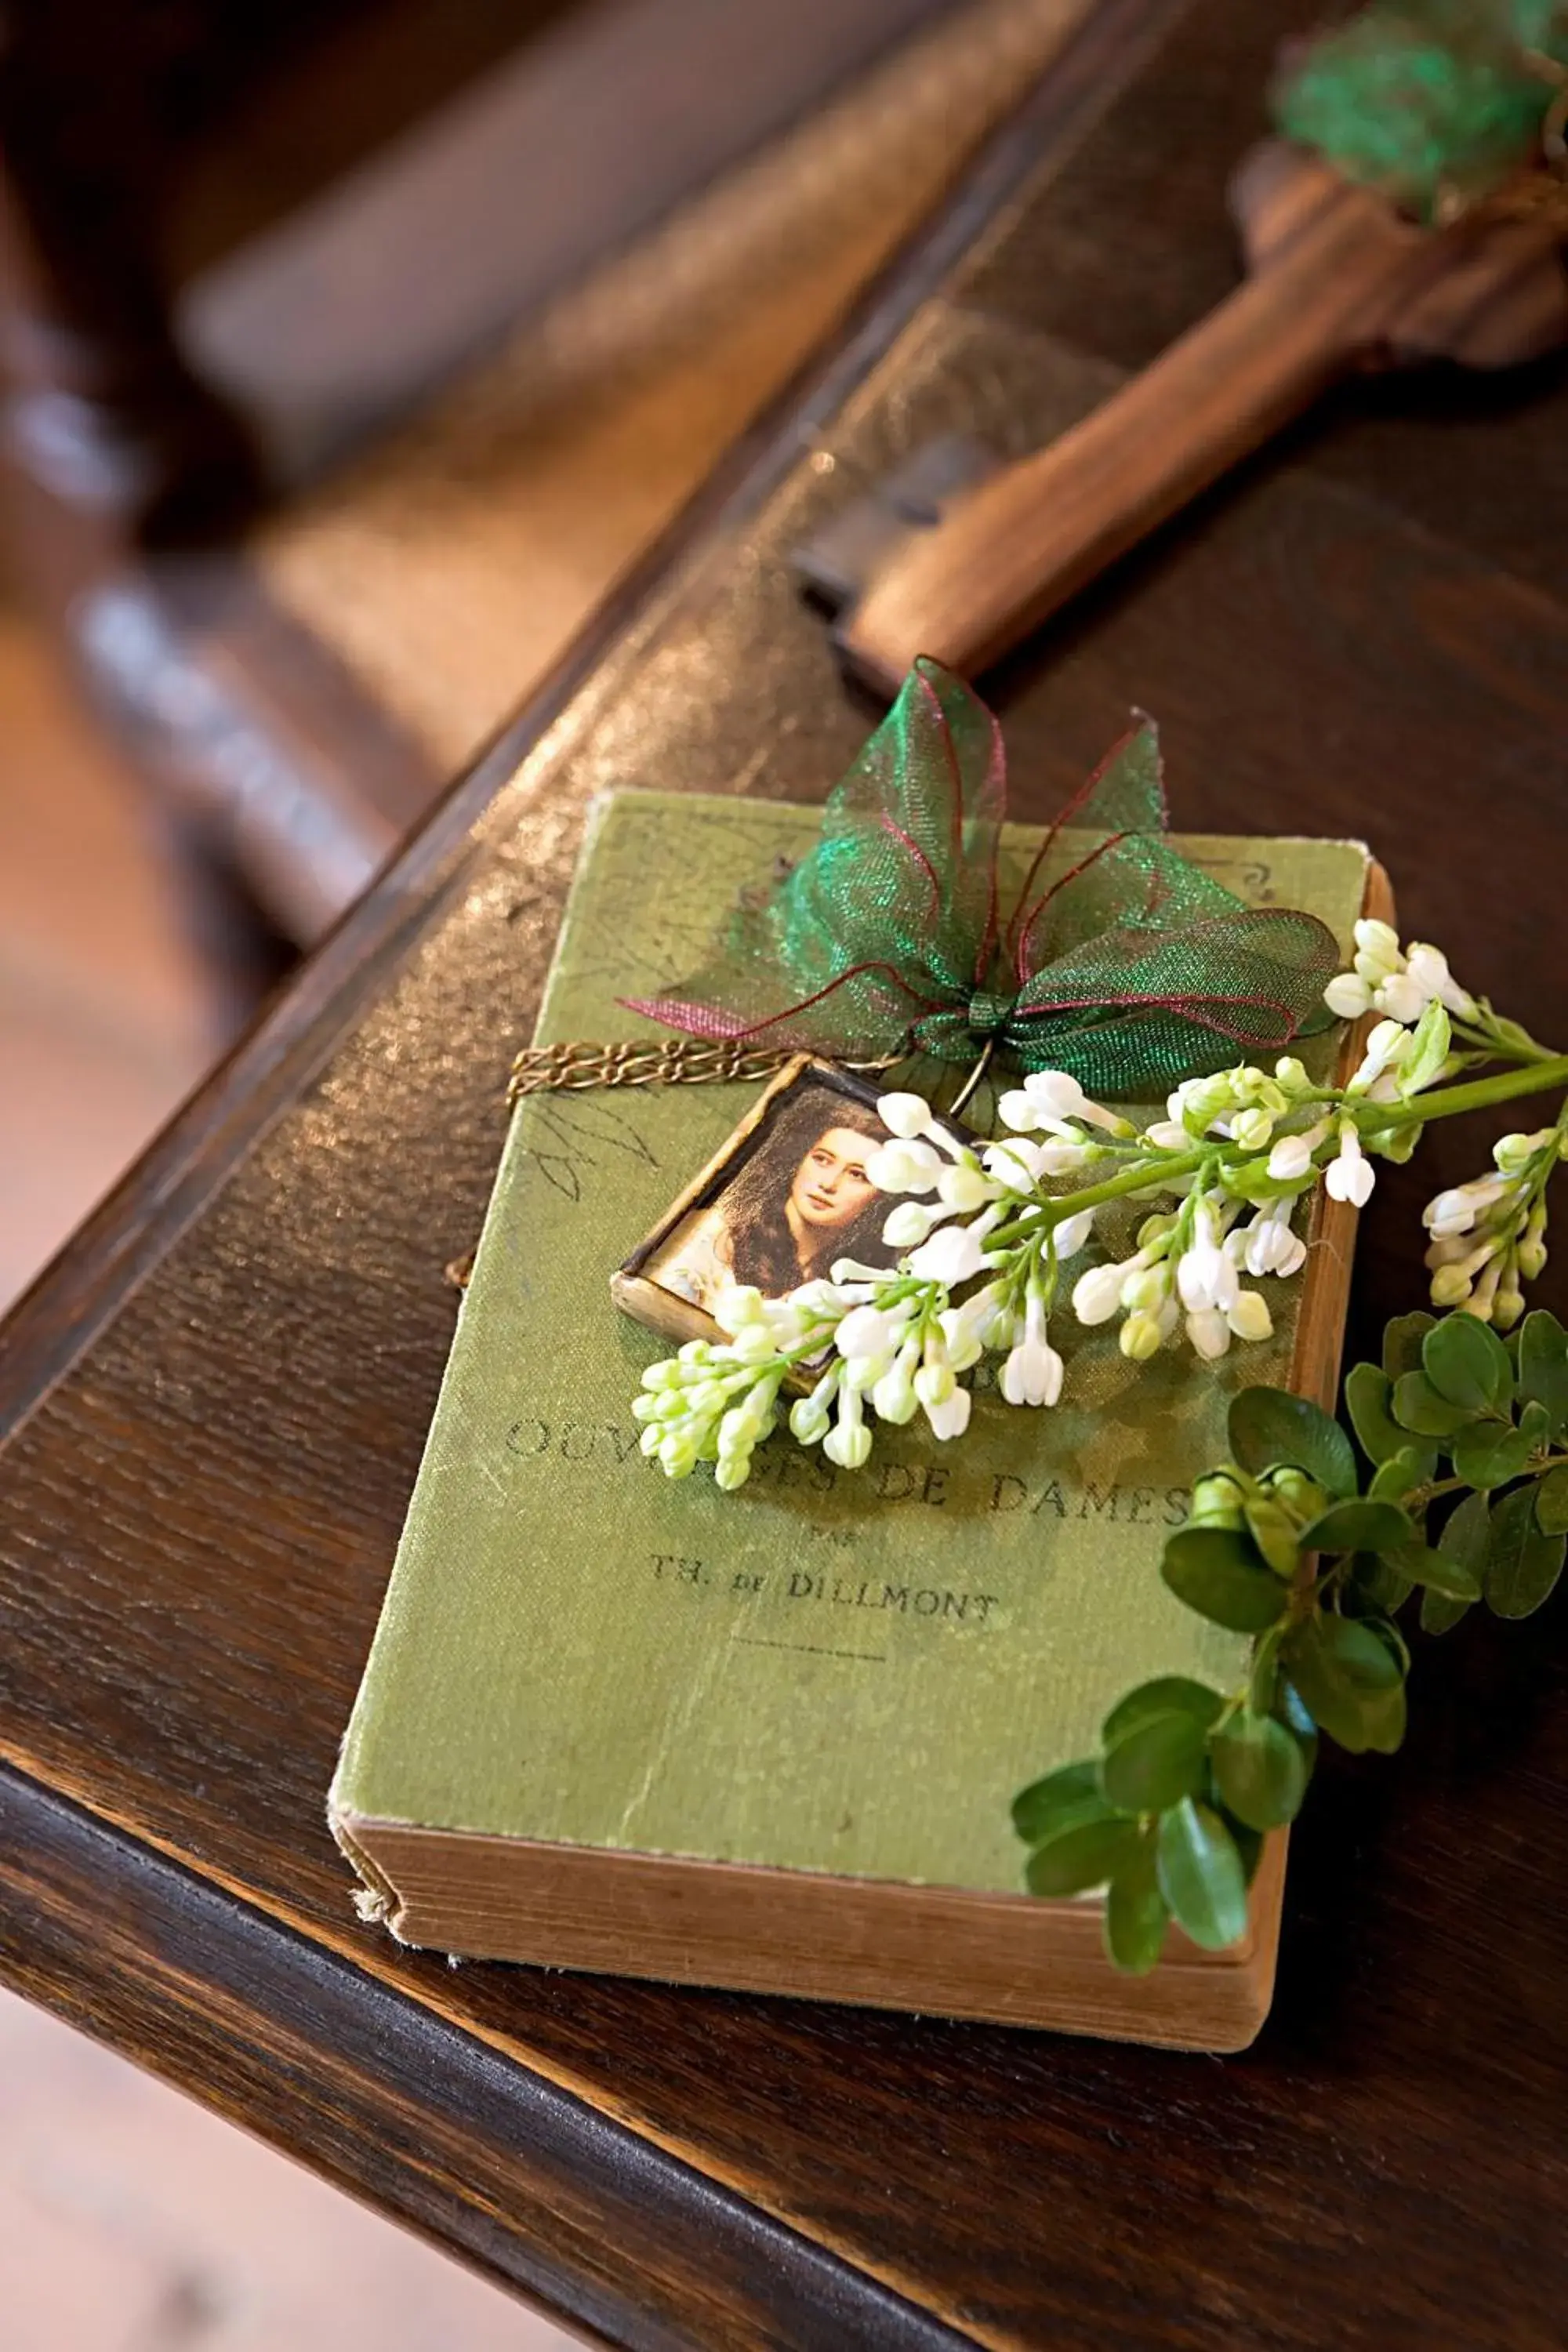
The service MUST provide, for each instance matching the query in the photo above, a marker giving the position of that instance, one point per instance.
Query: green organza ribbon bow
(1430, 102)
(1120, 962)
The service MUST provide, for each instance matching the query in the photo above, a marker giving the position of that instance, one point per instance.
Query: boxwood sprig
(1458, 1498)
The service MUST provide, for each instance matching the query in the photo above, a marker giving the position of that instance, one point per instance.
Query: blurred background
(350, 351)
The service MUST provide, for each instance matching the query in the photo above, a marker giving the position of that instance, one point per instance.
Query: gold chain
(637, 1062)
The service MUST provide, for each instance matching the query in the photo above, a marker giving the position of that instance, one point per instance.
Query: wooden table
(215, 1404)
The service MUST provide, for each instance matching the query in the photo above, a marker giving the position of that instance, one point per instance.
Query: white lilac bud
(1251, 1128)
(1250, 1318)
(1097, 1295)
(1400, 996)
(905, 1116)
(1290, 1074)
(1020, 1111)
(1348, 996)
(1168, 1135)
(893, 1397)
(1059, 1095)
(935, 1381)
(1290, 1159)
(956, 1254)
(904, 1167)
(1349, 1175)
(950, 1418)
(1032, 1373)
(1072, 1233)
(1059, 1159)
(964, 1188)
(907, 1225)
(1140, 1337)
(1428, 969)
(1209, 1333)
(1014, 1163)
(1379, 942)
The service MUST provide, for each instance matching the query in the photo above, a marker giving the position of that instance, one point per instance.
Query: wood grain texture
(216, 1406)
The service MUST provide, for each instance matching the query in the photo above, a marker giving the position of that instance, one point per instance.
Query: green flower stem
(1449, 1102)
(1155, 1174)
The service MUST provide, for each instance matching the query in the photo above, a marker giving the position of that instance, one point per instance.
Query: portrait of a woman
(801, 1200)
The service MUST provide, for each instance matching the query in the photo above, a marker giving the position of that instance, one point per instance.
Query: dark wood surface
(215, 1405)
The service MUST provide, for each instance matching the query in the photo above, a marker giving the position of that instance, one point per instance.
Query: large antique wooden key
(1339, 281)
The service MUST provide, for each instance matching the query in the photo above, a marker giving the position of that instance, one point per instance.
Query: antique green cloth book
(768, 1739)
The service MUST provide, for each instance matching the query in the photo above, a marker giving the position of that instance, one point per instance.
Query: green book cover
(826, 1671)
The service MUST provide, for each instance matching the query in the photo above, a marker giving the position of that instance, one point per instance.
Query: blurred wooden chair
(351, 356)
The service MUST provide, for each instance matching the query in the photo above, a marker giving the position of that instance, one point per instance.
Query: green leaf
(1467, 1534)
(1463, 1544)
(1084, 1855)
(1544, 1364)
(1419, 1406)
(1427, 1050)
(1156, 1763)
(1384, 1721)
(1350, 1680)
(1202, 1875)
(1467, 1363)
(1273, 1530)
(1260, 1770)
(1358, 1526)
(1166, 1695)
(1522, 1564)
(1403, 1472)
(1136, 1914)
(1487, 1456)
(1270, 1426)
(1437, 1571)
(1439, 1614)
(1378, 1584)
(1369, 1400)
(1402, 1340)
(1552, 1502)
(1217, 1571)
(1050, 1804)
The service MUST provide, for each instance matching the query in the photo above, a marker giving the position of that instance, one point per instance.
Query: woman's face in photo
(831, 1186)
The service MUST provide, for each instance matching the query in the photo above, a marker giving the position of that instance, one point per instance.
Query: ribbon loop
(1131, 968)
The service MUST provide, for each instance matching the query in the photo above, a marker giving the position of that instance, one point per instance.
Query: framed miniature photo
(783, 1199)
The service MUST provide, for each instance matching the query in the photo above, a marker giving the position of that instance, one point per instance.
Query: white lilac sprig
(985, 1231)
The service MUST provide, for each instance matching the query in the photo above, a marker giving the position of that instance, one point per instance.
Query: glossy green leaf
(1467, 1363)
(1411, 1467)
(1488, 1455)
(1418, 1406)
(1068, 1794)
(1166, 1695)
(1552, 1502)
(1358, 1526)
(1402, 1339)
(1369, 1400)
(1136, 1914)
(1270, 1426)
(1439, 1614)
(1348, 1677)
(1217, 1571)
(1437, 1571)
(1543, 1364)
(1377, 1586)
(1159, 1760)
(1260, 1771)
(1202, 1875)
(1083, 1856)
(1522, 1564)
